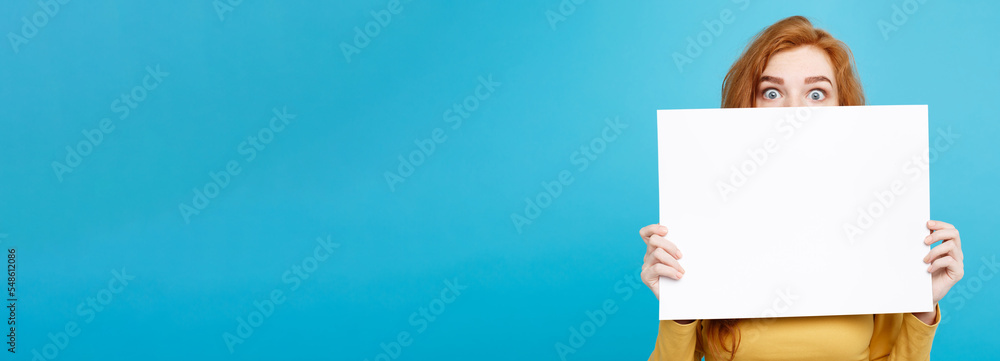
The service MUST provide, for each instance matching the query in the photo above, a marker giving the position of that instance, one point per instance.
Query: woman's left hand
(945, 260)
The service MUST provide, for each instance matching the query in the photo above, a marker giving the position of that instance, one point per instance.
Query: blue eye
(817, 95)
(771, 94)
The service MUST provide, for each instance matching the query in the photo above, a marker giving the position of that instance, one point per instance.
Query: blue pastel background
(324, 174)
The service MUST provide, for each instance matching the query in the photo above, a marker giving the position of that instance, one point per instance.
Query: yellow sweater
(854, 337)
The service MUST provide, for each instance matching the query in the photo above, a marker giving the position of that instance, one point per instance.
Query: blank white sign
(783, 212)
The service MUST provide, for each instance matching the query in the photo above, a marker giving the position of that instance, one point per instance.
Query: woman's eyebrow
(817, 79)
(772, 79)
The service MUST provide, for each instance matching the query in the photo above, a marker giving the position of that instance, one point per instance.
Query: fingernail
(931, 223)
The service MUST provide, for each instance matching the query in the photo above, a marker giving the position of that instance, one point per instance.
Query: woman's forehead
(799, 63)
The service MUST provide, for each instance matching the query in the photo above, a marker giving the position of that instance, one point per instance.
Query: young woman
(793, 64)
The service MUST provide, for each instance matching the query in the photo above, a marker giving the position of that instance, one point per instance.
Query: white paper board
(784, 212)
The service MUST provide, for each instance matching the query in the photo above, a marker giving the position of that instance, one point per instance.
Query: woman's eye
(817, 95)
(771, 94)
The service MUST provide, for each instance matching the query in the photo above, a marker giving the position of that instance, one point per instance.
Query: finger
(650, 278)
(651, 272)
(649, 255)
(661, 269)
(941, 235)
(648, 260)
(943, 249)
(947, 235)
(936, 225)
(670, 247)
(941, 263)
(665, 258)
(954, 268)
(647, 231)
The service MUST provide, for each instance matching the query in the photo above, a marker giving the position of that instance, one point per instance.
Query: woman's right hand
(661, 257)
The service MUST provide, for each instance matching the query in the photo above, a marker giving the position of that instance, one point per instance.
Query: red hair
(739, 88)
